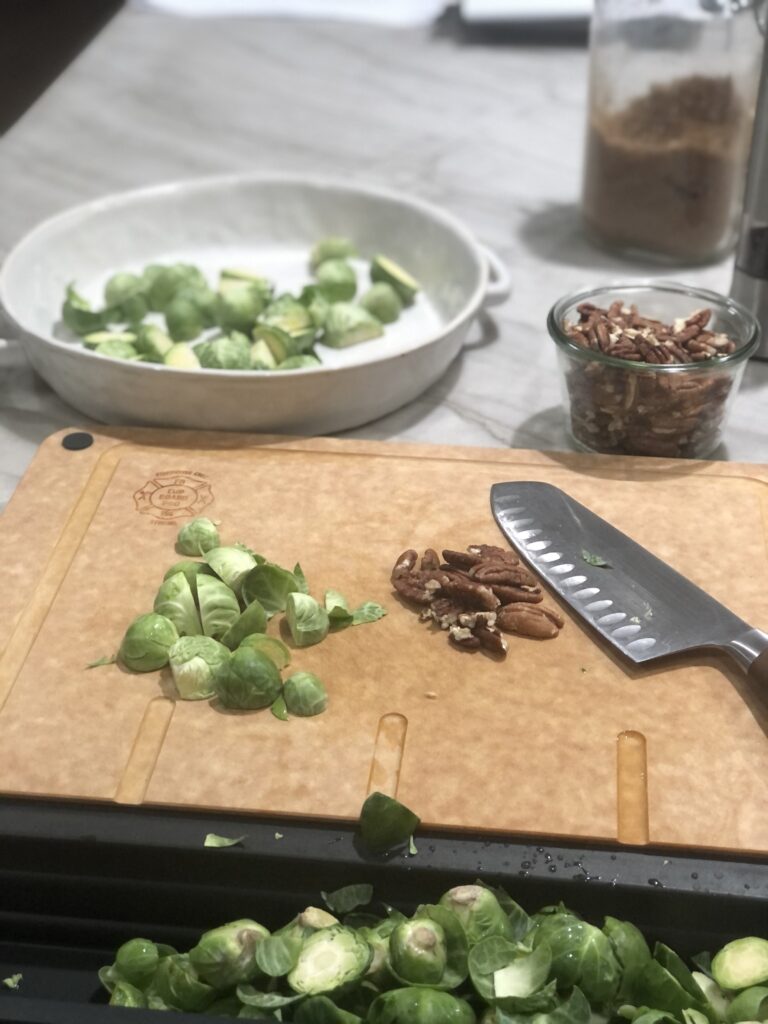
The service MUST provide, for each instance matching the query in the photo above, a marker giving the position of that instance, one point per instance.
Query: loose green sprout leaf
(219, 607)
(270, 585)
(147, 642)
(385, 822)
(181, 357)
(78, 316)
(226, 956)
(222, 842)
(98, 338)
(339, 614)
(264, 1000)
(322, 1010)
(176, 602)
(336, 280)
(125, 994)
(257, 281)
(232, 565)
(331, 248)
(349, 897)
(279, 709)
(197, 536)
(348, 324)
(368, 612)
(419, 1006)
(301, 579)
(487, 956)
(198, 664)
(386, 270)
(328, 960)
(631, 951)
(304, 695)
(657, 988)
(238, 304)
(108, 659)
(307, 619)
(278, 835)
(229, 352)
(13, 981)
(279, 954)
(152, 343)
(274, 649)
(252, 681)
(176, 982)
(519, 921)
(597, 560)
(383, 302)
(412, 848)
(252, 621)
(523, 975)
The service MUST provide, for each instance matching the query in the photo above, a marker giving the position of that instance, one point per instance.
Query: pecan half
(513, 595)
(461, 559)
(469, 593)
(412, 588)
(494, 552)
(430, 559)
(405, 564)
(538, 623)
(503, 573)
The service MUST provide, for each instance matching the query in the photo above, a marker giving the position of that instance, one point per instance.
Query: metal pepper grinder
(750, 277)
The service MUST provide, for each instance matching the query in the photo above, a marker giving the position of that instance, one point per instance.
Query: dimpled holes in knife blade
(581, 588)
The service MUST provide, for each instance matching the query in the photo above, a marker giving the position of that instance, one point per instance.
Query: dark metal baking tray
(76, 880)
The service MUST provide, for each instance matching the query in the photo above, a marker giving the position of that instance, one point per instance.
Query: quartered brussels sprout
(228, 352)
(182, 357)
(270, 585)
(337, 280)
(232, 564)
(198, 664)
(98, 338)
(348, 324)
(418, 951)
(479, 911)
(299, 363)
(191, 570)
(257, 281)
(419, 1006)
(383, 302)
(261, 355)
(304, 694)
(197, 536)
(316, 303)
(177, 984)
(386, 270)
(147, 642)
(307, 619)
(125, 994)
(385, 822)
(152, 343)
(277, 342)
(238, 304)
(253, 681)
(116, 349)
(290, 315)
(274, 649)
(253, 620)
(226, 956)
(219, 607)
(77, 314)
(329, 960)
(333, 247)
(176, 602)
(136, 961)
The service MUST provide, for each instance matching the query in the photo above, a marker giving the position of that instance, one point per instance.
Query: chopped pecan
(461, 559)
(463, 637)
(471, 594)
(525, 620)
(472, 619)
(490, 638)
(444, 612)
(430, 559)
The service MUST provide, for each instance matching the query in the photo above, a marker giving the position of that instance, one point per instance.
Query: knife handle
(758, 671)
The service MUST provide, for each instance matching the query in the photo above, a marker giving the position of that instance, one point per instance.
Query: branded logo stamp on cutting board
(171, 495)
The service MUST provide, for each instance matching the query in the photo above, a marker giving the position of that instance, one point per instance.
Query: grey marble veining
(492, 132)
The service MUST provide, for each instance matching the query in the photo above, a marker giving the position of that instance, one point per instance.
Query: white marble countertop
(492, 131)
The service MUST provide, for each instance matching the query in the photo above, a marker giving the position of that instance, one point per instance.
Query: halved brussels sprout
(289, 315)
(386, 270)
(278, 342)
(219, 607)
(329, 960)
(197, 536)
(198, 664)
(229, 352)
(176, 602)
(385, 822)
(274, 649)
(742, 963)
(336, 279)
(307, 619)
(348, 324)
(257, 281)
(252, 682)
(304, 695)
(316, 303)
(147, 642)
(191, 570)
(226, 956)
(333, 247)
(299, 363)
(383, 302)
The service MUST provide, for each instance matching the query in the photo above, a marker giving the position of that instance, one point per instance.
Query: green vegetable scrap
(108, 659)
(349, 897)
(385, 822)
(597, 560)
(13, 981)
(169, 315)
(304, 695)
(222, 842)
(198, 664)
(253, 681)
(147, 643)
(307, 619)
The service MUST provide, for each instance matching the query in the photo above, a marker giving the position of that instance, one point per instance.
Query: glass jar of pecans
(650, 368)
(673, 87)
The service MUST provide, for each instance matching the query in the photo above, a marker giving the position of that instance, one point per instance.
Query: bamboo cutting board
(560, 739)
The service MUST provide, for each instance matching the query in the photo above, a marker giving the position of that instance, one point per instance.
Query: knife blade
(642, 606)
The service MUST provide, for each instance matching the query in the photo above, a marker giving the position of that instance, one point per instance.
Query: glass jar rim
(710, 298)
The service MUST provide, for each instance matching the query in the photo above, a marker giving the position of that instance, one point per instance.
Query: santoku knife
(638, 603)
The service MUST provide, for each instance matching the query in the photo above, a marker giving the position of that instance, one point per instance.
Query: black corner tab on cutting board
(77, 441)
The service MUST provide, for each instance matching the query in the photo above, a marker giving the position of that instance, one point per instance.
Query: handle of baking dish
(499, 283)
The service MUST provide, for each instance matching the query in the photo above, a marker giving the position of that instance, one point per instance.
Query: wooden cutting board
(560, 739)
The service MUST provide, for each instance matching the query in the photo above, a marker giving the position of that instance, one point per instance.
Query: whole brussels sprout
(336, 280)
(198, 664)
(124, 295)
(136, 961)
(419, 1006)
(184, 319)
(383, 302)
(147, 642)
(333, 247)
(237, 305)
(418, 951)
(229, 352)
(253, 681)
(479, 911)
(226, 956)
(197, 536)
